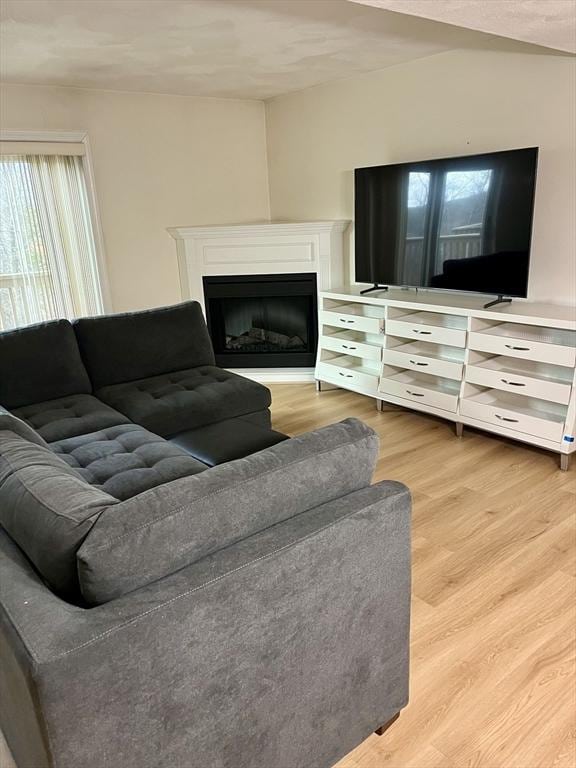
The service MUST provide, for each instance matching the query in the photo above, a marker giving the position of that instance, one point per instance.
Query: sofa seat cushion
(136, 345)
(69, 416)
(175, 402)
(125, 460)
(40, 362)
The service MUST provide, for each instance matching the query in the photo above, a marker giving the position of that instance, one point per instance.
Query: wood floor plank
(454, 677)
(509, 718)
(496, 543)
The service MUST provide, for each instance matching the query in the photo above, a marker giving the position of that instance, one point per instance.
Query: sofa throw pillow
(137, 345)
(40, 362)
(47, 509)
(166, 528)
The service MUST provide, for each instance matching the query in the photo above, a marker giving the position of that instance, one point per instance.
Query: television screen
(459, 223)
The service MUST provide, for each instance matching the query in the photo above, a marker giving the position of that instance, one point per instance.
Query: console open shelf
(426, 349)
(554, 373)
(430, 318)
(541, 334)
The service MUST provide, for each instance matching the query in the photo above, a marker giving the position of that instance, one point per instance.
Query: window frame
(76, 137)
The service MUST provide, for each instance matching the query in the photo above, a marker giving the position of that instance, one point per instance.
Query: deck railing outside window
(460, 246)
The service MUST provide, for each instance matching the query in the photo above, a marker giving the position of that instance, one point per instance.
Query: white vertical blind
(48, 264)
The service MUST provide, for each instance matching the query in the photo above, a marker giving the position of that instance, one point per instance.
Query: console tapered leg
(384, 406)
(459, 427)
(318, 385)
(564, 461)
(384, 728)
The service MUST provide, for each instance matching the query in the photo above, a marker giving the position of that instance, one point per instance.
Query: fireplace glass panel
(262, 320)
(266, 324)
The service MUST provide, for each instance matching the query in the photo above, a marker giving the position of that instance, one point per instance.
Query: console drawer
(539, 351)
(424, 364)
(355, 348)
(405, 386)
(347, 377)
(519, 384)
(498, 416)
(455, 337)
(351, 321)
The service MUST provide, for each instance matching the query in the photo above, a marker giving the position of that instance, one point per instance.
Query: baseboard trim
(278, 375)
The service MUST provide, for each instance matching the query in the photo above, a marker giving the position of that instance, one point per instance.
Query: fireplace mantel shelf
(258, 228)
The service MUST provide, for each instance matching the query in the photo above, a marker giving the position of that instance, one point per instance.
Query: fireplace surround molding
(262, 249)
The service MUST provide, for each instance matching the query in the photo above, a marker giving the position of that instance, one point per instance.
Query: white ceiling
(551, 23)
(227, 48)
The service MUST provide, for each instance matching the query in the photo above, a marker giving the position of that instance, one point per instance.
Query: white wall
(453, 103)
(165, 161)
(159, 161)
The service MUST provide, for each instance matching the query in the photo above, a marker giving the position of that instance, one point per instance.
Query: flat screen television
(458, 223)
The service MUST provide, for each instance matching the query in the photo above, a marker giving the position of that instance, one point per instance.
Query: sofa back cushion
(47, 509)
(40, 362)
(137, 345)
(166, 528)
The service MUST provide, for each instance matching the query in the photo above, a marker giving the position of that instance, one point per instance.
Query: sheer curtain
(48, 264)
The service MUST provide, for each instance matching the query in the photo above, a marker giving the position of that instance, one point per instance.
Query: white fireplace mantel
(256, 249)
(261, 249)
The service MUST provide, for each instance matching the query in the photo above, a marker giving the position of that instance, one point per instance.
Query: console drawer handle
(343, 320)
(415, 362)
(345, 346)
(347, 375)
(505, 418)
(423, 333)
(517, 349)
(415, 394)
(513, 383)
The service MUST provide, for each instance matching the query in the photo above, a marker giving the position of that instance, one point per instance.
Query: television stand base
(499, 300)
(375, 287)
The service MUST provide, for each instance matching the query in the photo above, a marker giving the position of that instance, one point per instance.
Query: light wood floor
(494, 593)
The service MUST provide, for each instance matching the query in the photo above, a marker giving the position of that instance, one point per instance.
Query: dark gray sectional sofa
(181, 586)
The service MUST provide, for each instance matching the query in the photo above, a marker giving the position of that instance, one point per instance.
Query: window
(48, 263)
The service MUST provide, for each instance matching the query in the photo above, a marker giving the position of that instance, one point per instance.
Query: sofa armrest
(289, 643)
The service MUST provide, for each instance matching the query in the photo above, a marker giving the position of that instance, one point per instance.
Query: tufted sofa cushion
(176, 402)
(40, 362)
(69, 416)
(125, 460)
(136, 345)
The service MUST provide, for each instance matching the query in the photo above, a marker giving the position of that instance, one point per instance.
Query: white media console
(509, 370)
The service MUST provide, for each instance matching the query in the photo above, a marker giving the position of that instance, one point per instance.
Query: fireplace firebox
(262, 320)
